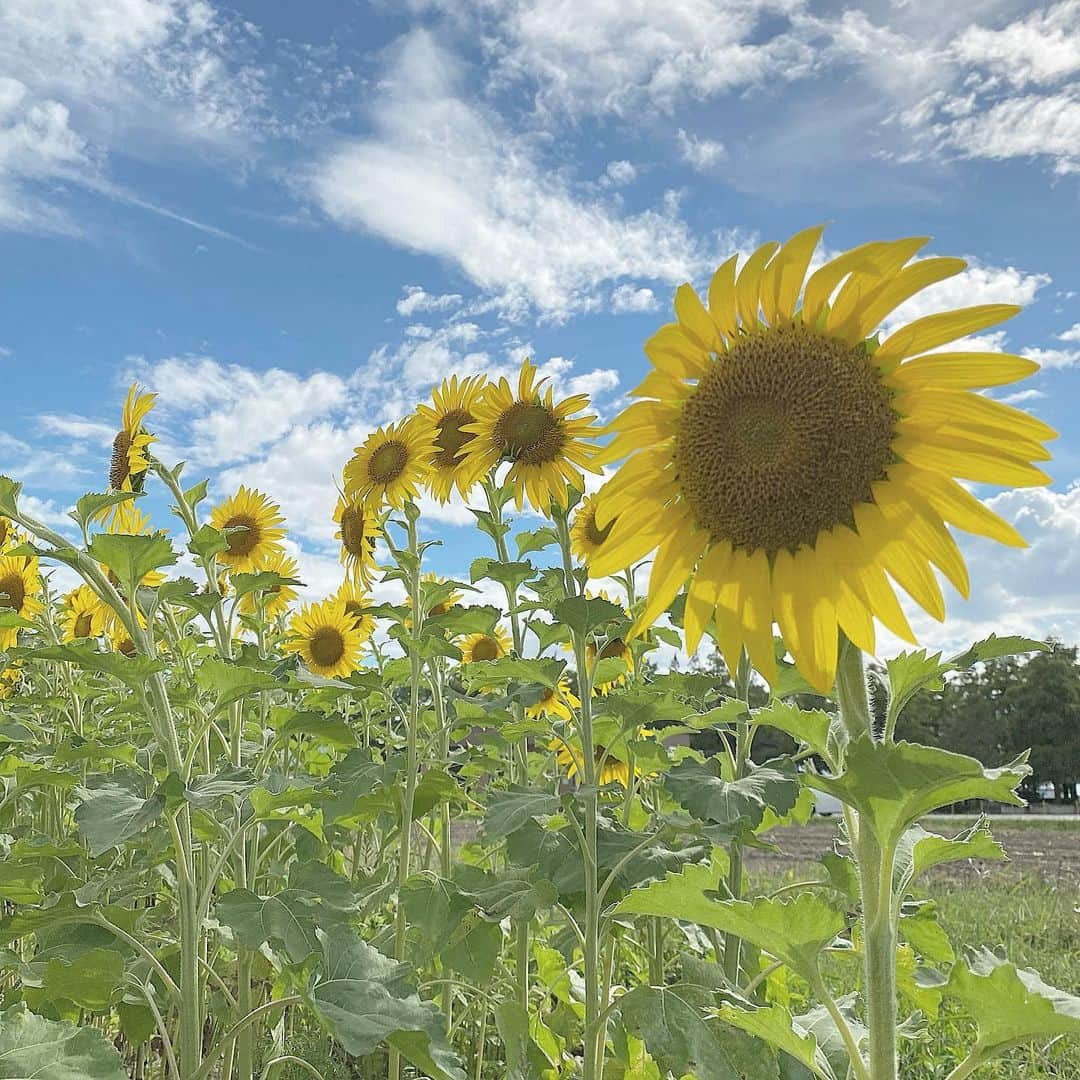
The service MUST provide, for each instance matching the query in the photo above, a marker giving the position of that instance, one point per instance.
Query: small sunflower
(127, 471)
(9, 681)
(20, 584)
(612, 770)
(9, 535)
(391, 465)
(788, 468)
(84, 614)
(326, 638)
(477, 647)
(453, 410)
(116, 634)
(586, 536)
(444, 605)
(614, 648)
(556, 701)
(358, 606)
(277, 598)
(257, 523)
(546, 444)
(359, 529)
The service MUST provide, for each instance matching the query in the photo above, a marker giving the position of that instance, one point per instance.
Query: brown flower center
(127, 647)
(529, 432)
(327, 646)
(616, 647)
(782, 439)
(451, 439)
(353, 539)
(119, 467)
(388, 462)
(12, 592)
(595, 534)
(247, 535)
(356, 610)
(84, 622)
(487, 648)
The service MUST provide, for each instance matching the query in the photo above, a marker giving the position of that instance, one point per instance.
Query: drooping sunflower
(786, 466)
(586, 536)
(358, 605)
(613, 648)
(117, 636)
(546, 443)
(556, 701)
(326, 638)
(20, 584)
(359, 529)
(477, 647)
(129, 464)
(257, 522)
(84, 614)
(453, 410)
(277, 598)
(391, 465)
(568, 757)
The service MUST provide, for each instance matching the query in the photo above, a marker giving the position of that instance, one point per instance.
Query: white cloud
(699, 153)
(1072, 334)
(632, 298)
(620, 172)
(77, 427)
(416, 299)
(1021, 396)
(443, 176)
(1054, 358)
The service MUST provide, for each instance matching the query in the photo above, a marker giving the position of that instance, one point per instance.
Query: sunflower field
(452, 839)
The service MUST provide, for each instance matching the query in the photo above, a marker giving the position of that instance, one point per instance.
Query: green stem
(743, 736)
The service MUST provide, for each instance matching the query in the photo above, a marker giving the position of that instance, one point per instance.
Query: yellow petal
(907, 283)
(757, 615)
(909, 571)
(959, 507)
(659, 384)
(672, 352)
(968, 460)
(695, 320)
(851, 612)
(722, 299)
(794, 259)
(864, 284)
(747, 288)
(703, 591)
(870, 584)
(823, 281)
(934, 330)
(671, 569)
(962, 406)
(961, 370)
(818, 638)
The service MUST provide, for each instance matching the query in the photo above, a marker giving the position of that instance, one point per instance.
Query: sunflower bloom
(611, 770)
(453, 410)
(358, 530)
(129, 464)
(326, 639)
(9, 535)
(614, 648)
(84, 614)
(20, 584)
(479, 647)
(391, 465)
(358, 605)
(257, 522)
(556, 701)
(277, 598)
(9, 680)
(586, 536)
(545, 442)
(789, 469)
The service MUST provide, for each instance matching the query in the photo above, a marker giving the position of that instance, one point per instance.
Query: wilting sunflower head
(20, 584)
(586, 536)
(544, 440)
(84, 614)
(789, 469)
(391, 465)
(256, 521)
(358, 604)
(326, 639)
(452, 411)
(359, 529)
(556, 701)
(277, 598)
(127, 469)
(479, 647)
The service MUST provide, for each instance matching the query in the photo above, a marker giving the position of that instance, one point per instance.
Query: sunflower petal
(794, 258)
(695, 320)
(960, 508)
(961, 371)
(722, 305)
(933, 330)
(702, 594)
(671, 569)
(748, 285)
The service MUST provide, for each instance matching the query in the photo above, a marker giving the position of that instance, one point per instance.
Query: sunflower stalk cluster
(461, 825)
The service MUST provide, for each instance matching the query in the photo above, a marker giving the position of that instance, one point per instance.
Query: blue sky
(290, 219)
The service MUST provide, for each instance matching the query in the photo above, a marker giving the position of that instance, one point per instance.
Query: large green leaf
(524, 1058)
(89, 980)
(33, 1047)
(776, 1026)
(434, 908)
(734, 805)
(508, 811)
(892, 785)
(230, 783)
(19, 883)
(516, 894)
(586, 613)
(363, 999)
(133, 671)
(920, 850)
(113, 812)
(131, 558)
(1010, 1005)
(498, 673)
(813, 727)
(232, 681)
(286, 918)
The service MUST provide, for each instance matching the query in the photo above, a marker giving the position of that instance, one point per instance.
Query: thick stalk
(732, 942)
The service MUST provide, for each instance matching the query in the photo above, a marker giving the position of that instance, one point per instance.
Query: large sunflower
(787, 466)
(556, 701)
(127, 469)
(453, 410)
(84, 614)
(391, 464)
(358, 606)
(546, 444)
(359, 529)
(277, 598)
(257, 523)
(586, 536)
(326, 638)
(20, 584)
(477, 647)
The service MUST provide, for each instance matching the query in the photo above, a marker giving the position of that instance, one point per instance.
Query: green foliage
(31, 1046)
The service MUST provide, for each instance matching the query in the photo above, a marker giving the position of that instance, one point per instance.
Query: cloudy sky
(290, 219)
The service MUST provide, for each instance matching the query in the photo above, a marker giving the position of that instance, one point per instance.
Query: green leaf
(507, 811)
(524, 1058)
(363, 1000)
(285, 918)
(232, 681)
(90, 505)
(208, 541)
(536, 540)
(132, 671)
(322, 728)
(734, 805)
(993, 647)
(111, 813)
(89, 980)
(794, 929)
(261, 581)
(19, 883)
(776, 1026)
(893, 785)
(435, 907)
(230, 783)
(1010, 1005)
(511, 575)
(919, 850)
(586, 613)
(131, 558)
(514, 894)
(497, 673)
(185, 593)
(9, 494)
(812, 727)
(31, 1046)
(473, 949)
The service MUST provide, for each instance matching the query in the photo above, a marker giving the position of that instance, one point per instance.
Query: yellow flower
(127, 471)
(493, 646)
(614, 648)
(391, 464)
(20, 584)
(787, 466)
(557, 701)
(84, 614)
(449, 418)
(569, 759)
(278, 597)
(116, 633)
(358, 530)
(443, 606)
(586, 537)
(546, 444)
(257, 522)
(326, 638)
(358, 605)
(9, 680)
(10, 537)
